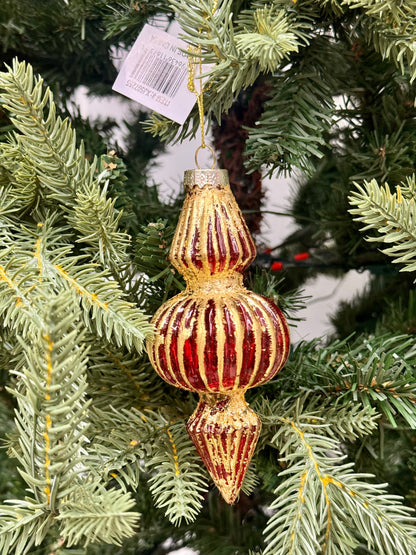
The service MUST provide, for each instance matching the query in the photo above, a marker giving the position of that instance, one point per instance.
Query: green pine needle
(393, 216)
(60, 170)
(93, 514)
(178, 479)
(322, 505)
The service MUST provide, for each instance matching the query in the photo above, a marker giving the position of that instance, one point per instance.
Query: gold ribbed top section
(211, 238)
(203, 178)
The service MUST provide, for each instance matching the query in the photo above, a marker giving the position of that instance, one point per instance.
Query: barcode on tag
(155, 74)
(160, 72)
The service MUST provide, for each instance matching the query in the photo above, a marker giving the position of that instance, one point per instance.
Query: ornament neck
(214, 282)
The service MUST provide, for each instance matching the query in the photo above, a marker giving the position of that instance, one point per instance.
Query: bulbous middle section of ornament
(219, 340)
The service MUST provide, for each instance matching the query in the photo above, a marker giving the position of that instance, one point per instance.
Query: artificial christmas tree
(98, 438)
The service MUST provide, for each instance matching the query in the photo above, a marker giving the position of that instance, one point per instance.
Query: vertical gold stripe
(224, 229)
(257, 338)
(239, 333)
(158, 339)
(186, 230)
(167, 344)
(215, 242)
(284, 331)
(202, 225)
(221, 339)
(240, 224)
(234, 222)
(210, 217)
(236, 440)
(270, 330)
(285, 343)
(201, 334)
(247, 435)
(192, 227)
(178, 238)
(222, 460)
(181, 338)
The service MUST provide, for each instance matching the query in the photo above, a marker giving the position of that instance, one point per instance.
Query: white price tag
(155, 74)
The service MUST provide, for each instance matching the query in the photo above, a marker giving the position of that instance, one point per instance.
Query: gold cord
(194, 59)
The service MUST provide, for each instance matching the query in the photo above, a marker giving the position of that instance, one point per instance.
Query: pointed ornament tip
(225, 432)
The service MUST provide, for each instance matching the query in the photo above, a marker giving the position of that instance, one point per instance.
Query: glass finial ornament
(216, 337)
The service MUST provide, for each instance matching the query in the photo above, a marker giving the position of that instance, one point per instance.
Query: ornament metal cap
(205, 178)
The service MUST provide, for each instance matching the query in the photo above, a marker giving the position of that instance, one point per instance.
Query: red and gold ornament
(216, 337)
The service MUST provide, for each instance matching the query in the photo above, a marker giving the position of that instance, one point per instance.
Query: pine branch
(21, 527)
(15, 302)
(8, 343)
(23, 188)
(408, 188)
(122, 379)
(64, 42)
(123, 438)
(375, 372)
(93, 514)
(49, 144)
(23, 279)
(152, 249)
(178, 480)
(387, 153)
(151, 257)
(251, 480)
(106, 313)
(124, 19)
(97, 221)
(392, 33)
(266, 35)
(334, 420)
(39, 258)
(257, 42)
(384, 8)
(393, 216)
(310, 506)
(51, 420)
(52, 425)
(303, 93)
(120, 442)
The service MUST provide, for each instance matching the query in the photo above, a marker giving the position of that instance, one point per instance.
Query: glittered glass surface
(216, 337)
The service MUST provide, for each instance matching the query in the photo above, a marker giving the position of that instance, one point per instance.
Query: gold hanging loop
(212, 152)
